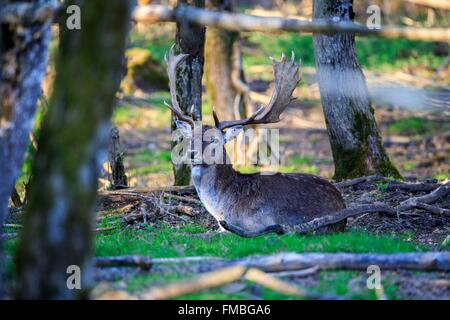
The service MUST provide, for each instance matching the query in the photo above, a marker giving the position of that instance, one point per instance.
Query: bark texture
(219, 65)
(72, 145)
(355, 140)
(118, 178)
(190, 39)
(23, 60)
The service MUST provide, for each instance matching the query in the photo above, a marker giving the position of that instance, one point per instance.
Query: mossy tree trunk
(355, 140)
(72, 145)
(23, 60)
(219, 52)
(190, 39)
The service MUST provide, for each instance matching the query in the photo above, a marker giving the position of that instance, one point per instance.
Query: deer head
(286, 73)
(253, 202)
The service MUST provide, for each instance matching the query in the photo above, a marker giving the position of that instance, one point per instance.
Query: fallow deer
(254, 204)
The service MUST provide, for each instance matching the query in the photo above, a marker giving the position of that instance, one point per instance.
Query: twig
(99, 230)
(181, 198)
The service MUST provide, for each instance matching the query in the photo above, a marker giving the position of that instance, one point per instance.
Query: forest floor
(174, 224)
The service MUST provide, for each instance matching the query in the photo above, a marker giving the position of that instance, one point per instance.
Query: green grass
(413, 126)
(147, 161)
(372, 53)
(442, 176)
(164, 241)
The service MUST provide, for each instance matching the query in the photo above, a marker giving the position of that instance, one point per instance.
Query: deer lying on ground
(255, 204)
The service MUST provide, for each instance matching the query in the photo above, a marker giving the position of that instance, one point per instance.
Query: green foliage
(373, 53)
(414, 126)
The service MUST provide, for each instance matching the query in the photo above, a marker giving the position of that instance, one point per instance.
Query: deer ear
(185, 128)
(232, 133)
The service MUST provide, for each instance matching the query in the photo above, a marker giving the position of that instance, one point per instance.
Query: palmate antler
(286, 80)
(172, 62)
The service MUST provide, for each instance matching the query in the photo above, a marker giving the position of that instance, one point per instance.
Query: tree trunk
(355, 141)
(190, 39)
(23, 60)
(219, 65)
(73, 142)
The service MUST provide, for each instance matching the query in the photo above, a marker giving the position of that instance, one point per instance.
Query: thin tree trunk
(355, 140)
(190, 39)
(219, 65)
(72, 144)
(23, 60)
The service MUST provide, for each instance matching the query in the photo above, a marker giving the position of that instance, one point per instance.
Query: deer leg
(250, 234)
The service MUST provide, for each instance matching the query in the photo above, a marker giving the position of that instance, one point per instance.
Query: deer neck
(214, 185)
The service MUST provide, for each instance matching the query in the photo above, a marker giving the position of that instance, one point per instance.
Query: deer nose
(195, 156)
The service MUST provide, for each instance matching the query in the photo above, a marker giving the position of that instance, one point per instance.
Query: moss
(352, 163)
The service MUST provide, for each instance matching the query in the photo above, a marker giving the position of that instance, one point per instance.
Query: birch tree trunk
(58, 226)
(355, 140)
(190, 39)
(23, 60)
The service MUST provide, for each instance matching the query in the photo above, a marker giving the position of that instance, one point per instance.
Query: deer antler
(172, 62)
(286, 79)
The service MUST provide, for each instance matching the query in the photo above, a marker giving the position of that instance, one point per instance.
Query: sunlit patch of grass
(165, 241)
(175, 241)
(122, 114)
(373, 53)
(442, 176)
(147, 161)
(412, 126)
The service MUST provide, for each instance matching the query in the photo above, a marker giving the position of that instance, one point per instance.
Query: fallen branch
(356, 181)
(281, 262)
(432, 209)
(222, 277)
(205, 281)
(243, 22)
(439, 193)
(357, 261)
(124, 261)
(275, 284)
(413, 187)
